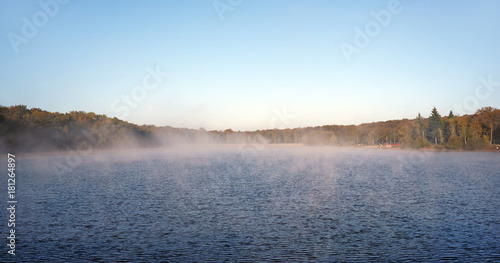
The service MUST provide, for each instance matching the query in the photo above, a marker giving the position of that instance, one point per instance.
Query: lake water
(290, 204)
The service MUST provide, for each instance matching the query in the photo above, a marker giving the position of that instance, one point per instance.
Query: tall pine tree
(435, 127)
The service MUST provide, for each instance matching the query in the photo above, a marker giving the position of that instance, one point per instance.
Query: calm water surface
(279, 204)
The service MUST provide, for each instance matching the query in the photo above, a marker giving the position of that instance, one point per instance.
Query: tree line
(34, 129)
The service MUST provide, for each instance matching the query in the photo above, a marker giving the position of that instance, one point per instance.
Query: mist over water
(270, 203)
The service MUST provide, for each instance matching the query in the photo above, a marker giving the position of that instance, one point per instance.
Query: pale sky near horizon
(256, 65)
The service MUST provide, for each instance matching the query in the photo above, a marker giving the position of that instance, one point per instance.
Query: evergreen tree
(434, 127)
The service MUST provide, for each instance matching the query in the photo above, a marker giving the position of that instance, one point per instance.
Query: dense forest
(34, 130)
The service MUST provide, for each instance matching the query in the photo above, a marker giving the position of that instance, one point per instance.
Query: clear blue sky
(257, 65)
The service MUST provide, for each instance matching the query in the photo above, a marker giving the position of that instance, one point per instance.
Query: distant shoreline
(36, 130)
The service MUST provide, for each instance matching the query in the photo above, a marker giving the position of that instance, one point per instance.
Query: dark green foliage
(435, 127)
